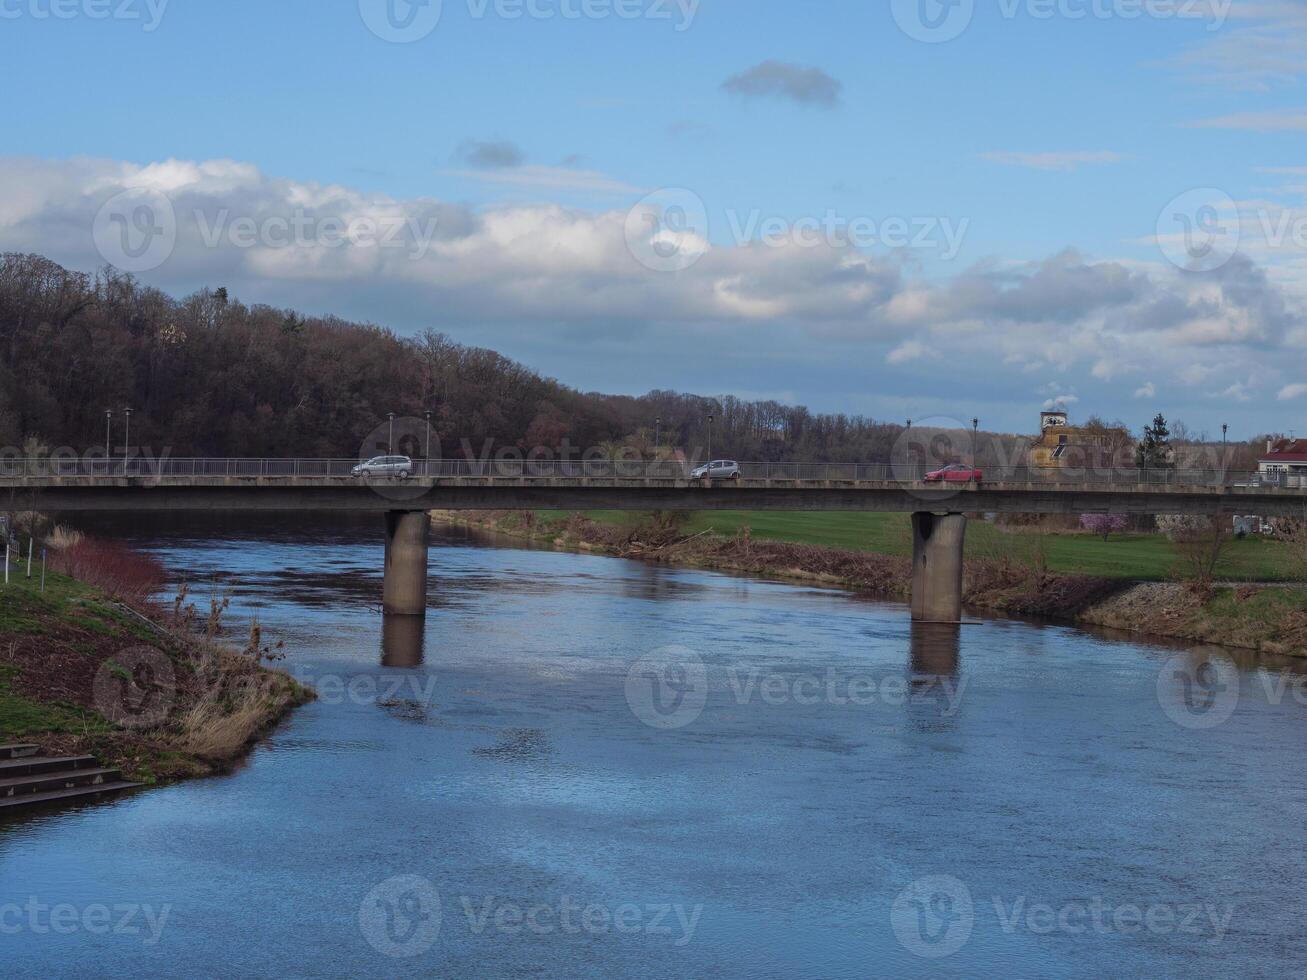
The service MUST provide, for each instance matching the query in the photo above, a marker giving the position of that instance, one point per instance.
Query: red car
(954, 473)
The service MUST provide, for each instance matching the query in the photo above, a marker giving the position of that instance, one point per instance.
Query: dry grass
(235, 710)
(62, 537)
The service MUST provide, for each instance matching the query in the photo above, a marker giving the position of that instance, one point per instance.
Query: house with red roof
(1285, 462)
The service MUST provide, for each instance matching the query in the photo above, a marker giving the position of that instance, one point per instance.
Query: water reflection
(403, 641)
(936, 688)
(935, 651)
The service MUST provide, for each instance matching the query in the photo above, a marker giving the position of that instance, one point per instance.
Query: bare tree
(1200, 542)
(1293, 532)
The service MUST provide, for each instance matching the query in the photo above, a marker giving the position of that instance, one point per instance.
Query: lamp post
(975, 438)
(427, 452)
(108, 429)
(1225, 456)
(658, 432)
(127, 438)
(710, 447)
(390, 439)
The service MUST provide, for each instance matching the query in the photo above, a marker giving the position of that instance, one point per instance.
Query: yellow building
(1061, 444)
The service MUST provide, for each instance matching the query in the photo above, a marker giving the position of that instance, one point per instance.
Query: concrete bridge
(938, 510)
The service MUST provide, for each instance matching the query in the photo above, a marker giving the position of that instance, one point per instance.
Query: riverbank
(1269, 619)
(85, 671)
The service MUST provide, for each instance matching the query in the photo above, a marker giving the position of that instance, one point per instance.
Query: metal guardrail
(604, 469)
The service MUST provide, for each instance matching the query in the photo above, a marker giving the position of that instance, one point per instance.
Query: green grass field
(25, 609)
(1149, 557)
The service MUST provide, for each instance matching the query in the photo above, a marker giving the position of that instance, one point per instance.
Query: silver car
(396, 466)
(718, 469)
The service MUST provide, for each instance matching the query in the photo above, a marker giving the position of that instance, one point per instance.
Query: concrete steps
(28, 779)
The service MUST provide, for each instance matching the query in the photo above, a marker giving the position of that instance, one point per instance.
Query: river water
(584, 766)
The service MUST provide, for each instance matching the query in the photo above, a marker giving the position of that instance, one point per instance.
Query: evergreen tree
(1154, 450)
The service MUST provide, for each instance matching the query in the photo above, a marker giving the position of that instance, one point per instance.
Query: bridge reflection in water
(403, 640)
(935, 651)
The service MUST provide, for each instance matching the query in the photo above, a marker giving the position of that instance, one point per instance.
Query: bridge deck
(175, 491)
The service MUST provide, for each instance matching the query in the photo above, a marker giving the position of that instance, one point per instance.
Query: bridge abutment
(404, 586)
(937, 541)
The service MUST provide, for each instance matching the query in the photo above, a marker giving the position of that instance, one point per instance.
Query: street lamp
(127, 438)
(975, 438)
(710, 447)
(108, 428)
(390, 439)
(428, 451)
(1225, 455)
(658, 432)
(912, 453)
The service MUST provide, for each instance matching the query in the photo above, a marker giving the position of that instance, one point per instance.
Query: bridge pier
(937, 541)
(404, 587)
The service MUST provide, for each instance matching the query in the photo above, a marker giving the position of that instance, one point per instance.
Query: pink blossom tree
(1104, 524)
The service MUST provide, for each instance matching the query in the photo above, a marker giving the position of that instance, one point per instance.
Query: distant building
(1062, 444)
(1285, 462)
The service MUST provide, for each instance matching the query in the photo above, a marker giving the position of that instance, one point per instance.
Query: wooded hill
(207, 375)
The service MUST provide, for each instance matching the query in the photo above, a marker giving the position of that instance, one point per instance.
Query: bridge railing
(615, 469)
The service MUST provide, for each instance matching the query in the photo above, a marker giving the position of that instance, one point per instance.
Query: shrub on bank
(111, 567)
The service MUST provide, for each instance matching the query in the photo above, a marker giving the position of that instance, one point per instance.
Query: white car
(396, 466)
(718, 469)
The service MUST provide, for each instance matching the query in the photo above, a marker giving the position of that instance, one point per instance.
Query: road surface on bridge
(280, 484)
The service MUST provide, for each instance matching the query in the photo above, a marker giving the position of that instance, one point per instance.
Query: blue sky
(1048, 144)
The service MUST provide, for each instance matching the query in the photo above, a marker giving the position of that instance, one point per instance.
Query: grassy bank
(86, 671)
(1137, 557)
(1080, 578)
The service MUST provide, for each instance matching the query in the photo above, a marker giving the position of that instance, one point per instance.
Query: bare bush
(111, 567)
(1200, 542)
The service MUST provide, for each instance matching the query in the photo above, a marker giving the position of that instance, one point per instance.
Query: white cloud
(1146, 390)
(1238, 392)
(1268, 50)
(1258, 122)
(1061, 401)
(1053, 161)
(909, 350)
(1195, 374)
(544, 264)
(1290, 392)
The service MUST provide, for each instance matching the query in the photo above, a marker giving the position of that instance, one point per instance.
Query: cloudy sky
(909, 208)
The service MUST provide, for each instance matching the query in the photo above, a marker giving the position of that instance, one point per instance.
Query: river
(584, 766)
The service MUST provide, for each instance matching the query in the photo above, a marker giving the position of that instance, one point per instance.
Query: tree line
(208, 375)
